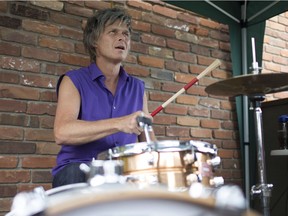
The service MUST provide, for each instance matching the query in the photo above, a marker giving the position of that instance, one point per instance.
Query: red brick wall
(42, 40)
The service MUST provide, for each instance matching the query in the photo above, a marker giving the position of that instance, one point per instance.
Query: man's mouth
(120, 47)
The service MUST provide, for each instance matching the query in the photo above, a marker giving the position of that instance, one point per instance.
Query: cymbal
(250, 84)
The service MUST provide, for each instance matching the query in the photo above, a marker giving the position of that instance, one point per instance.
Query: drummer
(98, 105)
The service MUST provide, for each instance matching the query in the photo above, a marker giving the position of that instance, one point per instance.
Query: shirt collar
(96, 73)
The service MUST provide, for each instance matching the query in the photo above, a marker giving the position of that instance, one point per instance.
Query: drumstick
(211, 67)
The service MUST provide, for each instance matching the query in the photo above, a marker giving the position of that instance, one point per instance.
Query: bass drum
(127, 200)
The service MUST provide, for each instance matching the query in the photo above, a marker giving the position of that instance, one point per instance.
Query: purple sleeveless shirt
(97, 103)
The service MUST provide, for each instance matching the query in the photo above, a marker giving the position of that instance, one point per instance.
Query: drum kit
(161, 177)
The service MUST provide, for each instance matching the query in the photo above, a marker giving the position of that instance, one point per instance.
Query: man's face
(114, 43)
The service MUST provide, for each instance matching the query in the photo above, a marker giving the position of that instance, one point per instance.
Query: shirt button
(114, 107)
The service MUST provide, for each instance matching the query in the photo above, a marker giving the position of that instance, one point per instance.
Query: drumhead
(141, 147)
(115, 200)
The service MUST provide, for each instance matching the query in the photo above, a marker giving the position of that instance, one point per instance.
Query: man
(98, 105)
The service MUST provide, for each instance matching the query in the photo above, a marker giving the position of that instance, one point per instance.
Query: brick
(220, 54)
(41, 108)
(56, 44)
(210, 123)
(159, 96)
(203, 51)
(48, 96)
(210, 103)
(54, 5)
(159, 130)
(17, 36)
(55, 69)
(136, 70)
(74, 59)
(38, 162)
(187, 99)
(65, 20)
(71, 34)
(39, 135)
(225, 153)
(176, 24)
(139, 47)
(7, 190)
(8, 162)
(39, 81)
(230, 164)
(273, 50)
(140, 5)
(229, 125)
(8, 77)
(163, 31)
(197, 90)
(131, 59)
(3, 8)
(79, 48)
(186, 17)
(272, 67)
(183, 78)
(199, 112)
(165, 11)
(224, 46)
(5, 204)
(25, 11)
(9, 49)
(152, 18)
(227, 105)
(221, 74)
(40, 27)
(41, 176)
(29, 187)
(47, 148)
(9, 133)
(41, 54)
(154, 40)
(10, 22)
(161, 52)
(176, 66)
(187, 121)
(187, 37)
(164, 120)
(151, 61)
(219, 114)
(19, 92)
(209, 23)
(161, 74)
(14, 176)
(176, 109)
(138, 25)
(47, 122)
(198, 31)
(230, 144)
(208, 42)
(200, 133)
(178, 45)
(14, 119)
(218, 35)
(12, 147)
(99, 5)
(171, 87)
(185, 57)
(20, 64)
(177, 131)
(76, 10)
(221, 134)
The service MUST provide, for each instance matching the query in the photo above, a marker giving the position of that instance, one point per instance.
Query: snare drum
(173, 163)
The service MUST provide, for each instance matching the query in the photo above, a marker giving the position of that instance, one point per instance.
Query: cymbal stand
(262, 188)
